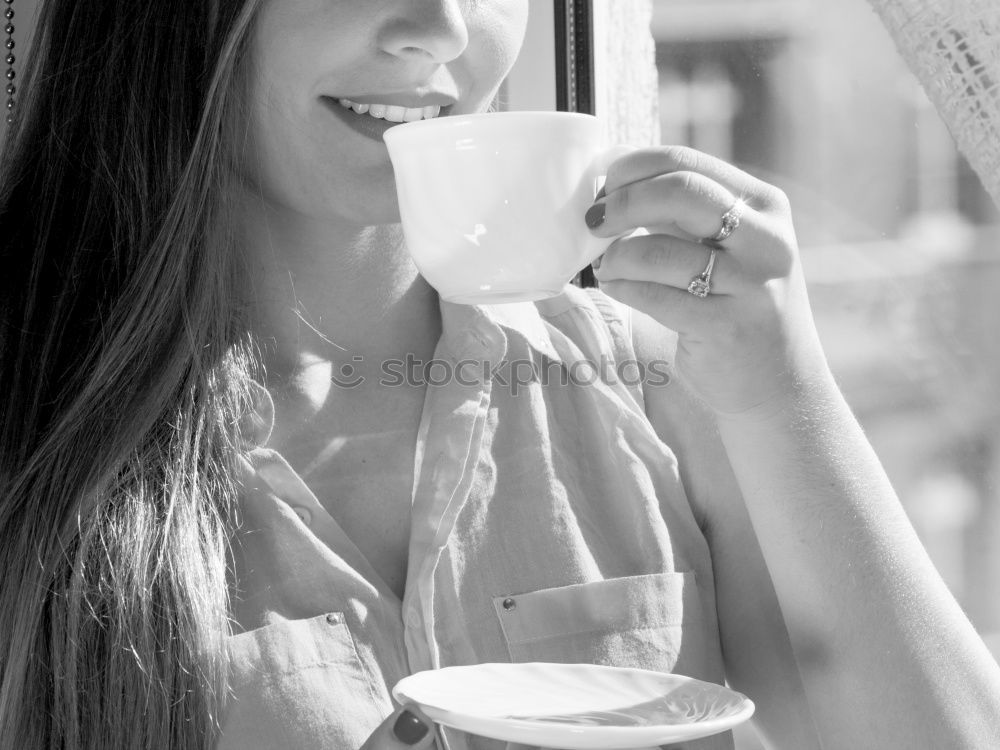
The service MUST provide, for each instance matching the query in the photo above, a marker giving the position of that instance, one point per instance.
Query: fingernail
(409, 729)
(600, 194)
(597, 262)
(595, 215)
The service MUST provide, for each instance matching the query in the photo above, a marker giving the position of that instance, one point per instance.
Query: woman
(220, 527)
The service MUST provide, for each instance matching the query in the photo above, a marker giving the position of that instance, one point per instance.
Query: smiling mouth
(392, 112)
(372, 120)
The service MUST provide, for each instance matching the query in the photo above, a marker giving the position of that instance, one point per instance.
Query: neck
(330, 295)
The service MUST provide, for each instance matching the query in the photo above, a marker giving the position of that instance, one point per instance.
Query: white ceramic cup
(492, 205)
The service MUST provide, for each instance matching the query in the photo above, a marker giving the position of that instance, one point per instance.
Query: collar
(487, 331)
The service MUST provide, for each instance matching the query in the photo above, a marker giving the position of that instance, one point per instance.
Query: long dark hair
(124, 369)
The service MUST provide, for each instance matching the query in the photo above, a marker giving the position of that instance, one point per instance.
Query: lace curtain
(953, 46)
(625, 86)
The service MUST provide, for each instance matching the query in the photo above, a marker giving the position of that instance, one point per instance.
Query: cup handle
(599, 166)
(597, 171)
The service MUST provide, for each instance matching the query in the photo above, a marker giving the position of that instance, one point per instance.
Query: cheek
(289, 152)
(298, 164)
(268, 151)
(510, 23)
(496, 41)
(272, 152)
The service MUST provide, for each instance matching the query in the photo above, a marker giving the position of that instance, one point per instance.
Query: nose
(425, 30)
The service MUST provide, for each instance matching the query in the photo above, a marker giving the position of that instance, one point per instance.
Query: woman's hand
(751, 342)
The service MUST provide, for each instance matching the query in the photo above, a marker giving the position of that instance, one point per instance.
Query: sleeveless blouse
(549, 523)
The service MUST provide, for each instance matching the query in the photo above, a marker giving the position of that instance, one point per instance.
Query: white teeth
(395, 114)
(392, 112)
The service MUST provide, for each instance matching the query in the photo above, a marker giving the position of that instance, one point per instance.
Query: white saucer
(574, 706)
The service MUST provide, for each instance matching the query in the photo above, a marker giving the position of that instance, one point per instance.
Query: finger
(677, 309)
(406, 729)
(645, 163)
(683, 204)
(663, 259)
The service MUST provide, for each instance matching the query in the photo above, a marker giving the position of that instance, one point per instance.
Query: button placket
(413, 618)
(448, 445)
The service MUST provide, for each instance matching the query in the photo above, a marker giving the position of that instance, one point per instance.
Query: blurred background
(900, 244)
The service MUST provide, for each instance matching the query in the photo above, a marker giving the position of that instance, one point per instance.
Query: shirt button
(333, 619)
(413, 618)
(304, 514)
(509, 604)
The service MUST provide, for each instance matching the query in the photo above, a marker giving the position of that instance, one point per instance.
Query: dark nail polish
(595, 215)
(409, 729)
(597, 262)
(600, 194)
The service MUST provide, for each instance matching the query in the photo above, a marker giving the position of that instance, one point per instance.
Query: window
(899, 244)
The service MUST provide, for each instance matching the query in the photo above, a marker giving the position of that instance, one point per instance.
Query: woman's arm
(755, 643)
(757, 646)
(886, 656)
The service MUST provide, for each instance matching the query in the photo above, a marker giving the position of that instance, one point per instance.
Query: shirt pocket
(300, 684)
(646, 621)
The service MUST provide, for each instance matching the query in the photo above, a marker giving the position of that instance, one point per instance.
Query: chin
(365, 197)
(381, 210)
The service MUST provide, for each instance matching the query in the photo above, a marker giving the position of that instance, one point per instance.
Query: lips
(372, 119)
(369, 127)
(392, 112)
